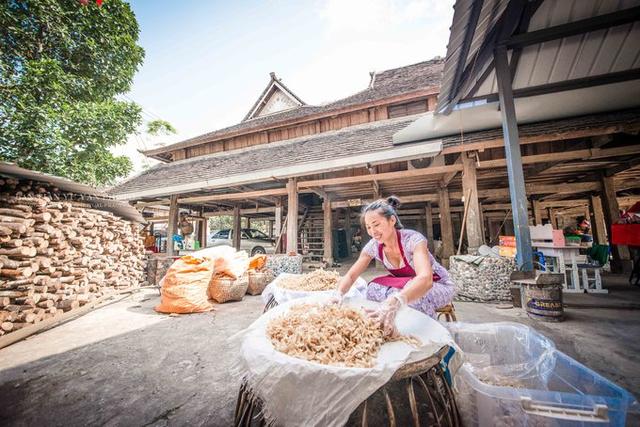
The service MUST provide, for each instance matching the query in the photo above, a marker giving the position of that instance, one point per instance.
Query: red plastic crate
(625, 234)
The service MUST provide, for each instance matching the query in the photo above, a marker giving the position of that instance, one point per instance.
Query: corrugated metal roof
(591, 54)
(595, 53)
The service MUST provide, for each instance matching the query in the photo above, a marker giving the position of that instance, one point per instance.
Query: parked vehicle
(253, 241)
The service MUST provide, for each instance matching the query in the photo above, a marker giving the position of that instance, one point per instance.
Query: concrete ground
(125, 365)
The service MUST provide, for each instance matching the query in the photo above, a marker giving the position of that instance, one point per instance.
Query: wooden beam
(537, 212)
(563, 203)
(498, 193)
(535, 188)
(535, 139)
(601, 140)
(243, 212)
(235, 196)
(446, 227)
(237, 232)
(292, 216)
(585, 154)
(320, 192)
(386, 176)
(428, 214)
(172, 227)
(627, 201)
(623, 167)
(162, 202)
(263, 199)
(416, 198)
(540, 168)
(448, 177)
(327, 228)
(473, 225)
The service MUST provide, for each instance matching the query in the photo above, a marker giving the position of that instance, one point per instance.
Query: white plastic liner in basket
(282, 295)
(297, 392)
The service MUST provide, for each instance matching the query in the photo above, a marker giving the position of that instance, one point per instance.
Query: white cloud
(364, 36)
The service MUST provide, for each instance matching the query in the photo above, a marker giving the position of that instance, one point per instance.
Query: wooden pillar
(599, 225)
(612, 214)
(292, 216)
(446, 228)
(428, 214)
(278, 223)
(492, 231)
(201, 229)
(271, 229)
(553, 219)
(537, 212)
(248, 222)
(205, 231)
(347, 229)
(327, 226)
(473, 225)
(483, 227)
(172, 227)
(237, 233)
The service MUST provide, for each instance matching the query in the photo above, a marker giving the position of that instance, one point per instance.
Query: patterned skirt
(440, 294)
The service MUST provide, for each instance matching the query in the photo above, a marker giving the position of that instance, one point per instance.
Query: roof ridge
(435, 60)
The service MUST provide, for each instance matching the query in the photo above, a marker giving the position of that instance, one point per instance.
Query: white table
(564, 255)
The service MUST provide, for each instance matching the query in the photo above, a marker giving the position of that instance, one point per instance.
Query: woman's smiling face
(379, 227)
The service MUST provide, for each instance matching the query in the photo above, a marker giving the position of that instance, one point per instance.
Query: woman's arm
(346, 281)
(423, 281)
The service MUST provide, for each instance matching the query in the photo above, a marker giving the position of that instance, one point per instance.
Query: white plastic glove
(386, 314)
(337, 297)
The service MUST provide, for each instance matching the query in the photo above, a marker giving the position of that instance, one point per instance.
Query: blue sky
(207, 61)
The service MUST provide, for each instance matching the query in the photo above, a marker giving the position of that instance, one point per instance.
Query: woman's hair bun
(393, 201)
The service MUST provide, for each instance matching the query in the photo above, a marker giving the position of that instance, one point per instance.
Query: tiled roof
(355, 140)
(386, 84)
(361, 139)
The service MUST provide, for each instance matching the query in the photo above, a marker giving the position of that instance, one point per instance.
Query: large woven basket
(223, 289)
(258, 280)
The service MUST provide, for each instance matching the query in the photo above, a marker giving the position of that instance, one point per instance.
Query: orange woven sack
(184, 287)
(257, 262)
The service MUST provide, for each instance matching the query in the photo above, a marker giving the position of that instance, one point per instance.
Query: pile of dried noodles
(317, 280)
(330, 334)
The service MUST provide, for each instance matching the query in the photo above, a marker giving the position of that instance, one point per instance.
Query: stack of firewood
(57, 253)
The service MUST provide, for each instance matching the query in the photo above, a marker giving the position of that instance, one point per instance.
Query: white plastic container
(513, 376)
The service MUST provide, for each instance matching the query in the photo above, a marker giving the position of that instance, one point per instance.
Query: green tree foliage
(62, 65)
(222, 222)
(217, 223)
(160, 127)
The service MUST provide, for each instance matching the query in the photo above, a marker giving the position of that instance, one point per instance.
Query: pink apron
(399, 277)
